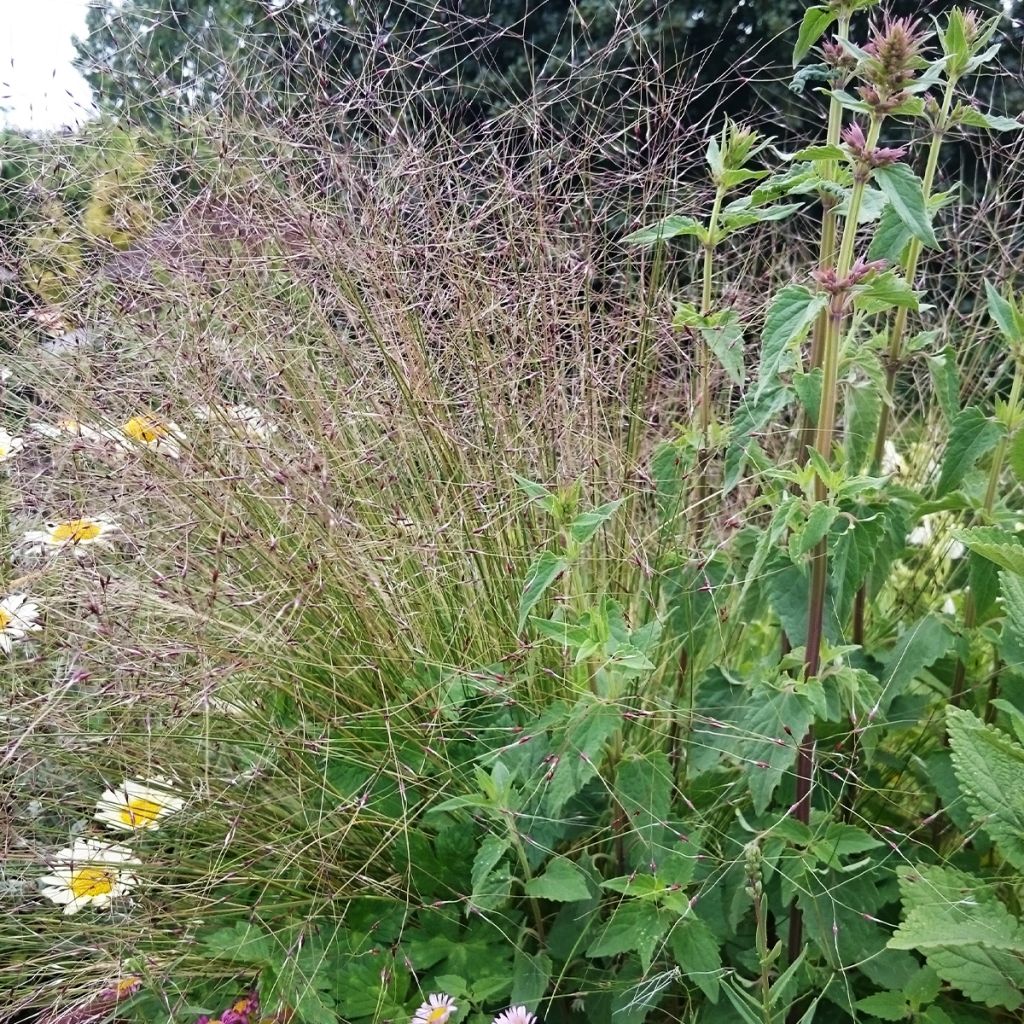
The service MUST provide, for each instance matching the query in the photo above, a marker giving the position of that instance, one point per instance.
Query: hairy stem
(823, 435)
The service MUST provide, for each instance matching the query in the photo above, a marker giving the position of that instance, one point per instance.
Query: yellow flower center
(75, 530)
(147, 429)
(139, 812)
(6, 618)
(91, 882)
(438, 1014)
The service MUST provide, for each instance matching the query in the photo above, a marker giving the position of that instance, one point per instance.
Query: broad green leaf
(695, 951)
(1015, 454)
(530, 978)
(884, 1005)
(643, 787)
(891, 237)
(863, 407)
(1011, 640)
(726, 343)
(566, 633)
(1004, 314)
(920, 646)
(820, 152)
(904, 191)
(243, 942)
(735, 221)
(580, 752)
(769, 733)
(562, 882)
(808, 389)
(968, 937)
(535, 492)
(883, 292)
(634, 925)
(989, 768)
(998, 546)
(979, 119)
(816, 20)
(672, 226)
(546, 568)
(792, 312)
(586, 524)
(488, 856)
(945, 382)
(970, 437)
(819, 521)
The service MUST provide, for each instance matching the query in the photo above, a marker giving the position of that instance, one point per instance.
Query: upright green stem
(994, 473)
(898, 329)
(827, 246)
(823, 435)
(703, 396)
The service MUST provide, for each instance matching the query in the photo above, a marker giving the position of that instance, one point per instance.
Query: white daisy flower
(55, 431)
(436, 1010)
(892, 461)
(18, 617)
(138, 805)
(515, 1015)
(89, 872)
(154, 433)
(9, 446)
(76, 535)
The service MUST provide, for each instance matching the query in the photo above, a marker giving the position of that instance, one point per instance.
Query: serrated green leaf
(530, 978)
(243, 942)
(562, 882)
(695, 951)
(673, 226)
(884, 291)
(546, 568)
(971, 435)
(771, 729)
(989, 769)
(979, 119)
(884, 1005)
(534, 491)
(633, 926)
(820, 153)
(586, 524)
(1015, 454)
(819, 521)
(580, 751)
(968, 937)
(996, 545)
(792, 312)
(903, 189)
(488, 856)
(920, 646)
(726, 343)
(946, 382)
(1004, 314)
(815, 22)
(1011, 640)
(891, 237)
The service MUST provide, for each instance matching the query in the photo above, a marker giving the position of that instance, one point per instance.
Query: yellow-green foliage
(54, 263)
(122, 207)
